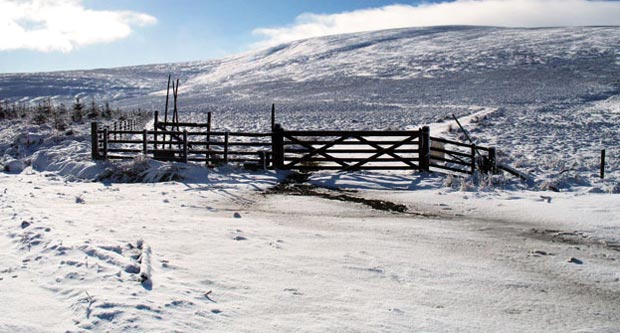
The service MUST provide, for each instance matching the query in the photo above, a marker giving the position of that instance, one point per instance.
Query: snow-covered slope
(386, 70)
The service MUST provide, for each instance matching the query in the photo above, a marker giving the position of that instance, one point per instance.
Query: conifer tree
(78, 111)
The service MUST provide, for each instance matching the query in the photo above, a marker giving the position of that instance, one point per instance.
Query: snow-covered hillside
(394, 70)
(555, 89)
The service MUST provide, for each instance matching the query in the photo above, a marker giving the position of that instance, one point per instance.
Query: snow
(472, 263)
(147, 246)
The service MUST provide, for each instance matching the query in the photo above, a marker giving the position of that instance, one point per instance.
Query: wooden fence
(293, 150)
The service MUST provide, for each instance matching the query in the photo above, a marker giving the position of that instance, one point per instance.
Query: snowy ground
(227, 257)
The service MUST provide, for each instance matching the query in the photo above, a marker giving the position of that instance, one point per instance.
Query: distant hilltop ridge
(435, 65)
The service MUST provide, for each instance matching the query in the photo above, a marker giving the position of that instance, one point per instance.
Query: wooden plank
(351, 151)
(364, 167)
(125, 132)
(220, 152)
(459, 162)
(379, 153)
(445, 167)
(120, 157)
(231, 144)
(451, 152)
(125, 141)
(451, 142)
(314, 151)
(353, 143)
(184, 124)
(457, 143)
(360, 159)
(378, 147)
(514, 172)
(124, 150)
(350, 133)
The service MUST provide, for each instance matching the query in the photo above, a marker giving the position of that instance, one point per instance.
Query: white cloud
(506, 13)
(62, 25)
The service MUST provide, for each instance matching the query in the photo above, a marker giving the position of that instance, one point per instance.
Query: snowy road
(228, 258)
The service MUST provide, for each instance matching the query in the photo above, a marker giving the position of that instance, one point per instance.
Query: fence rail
(292, 150)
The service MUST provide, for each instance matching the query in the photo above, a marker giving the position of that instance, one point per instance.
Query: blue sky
(185, 30)
(47, 35)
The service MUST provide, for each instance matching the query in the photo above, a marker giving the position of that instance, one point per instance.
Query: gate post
(602, 164)
(424, 146)
(105, 143)
(144, 142)
(262, 159)
(208, 154)
(273, 116)
(155, 121)
(277, 146)
(94, 136)
(185, 148)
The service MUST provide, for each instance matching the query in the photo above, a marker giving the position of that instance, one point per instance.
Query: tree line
(59, 116)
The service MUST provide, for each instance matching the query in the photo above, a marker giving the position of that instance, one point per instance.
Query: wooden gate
(348, 150)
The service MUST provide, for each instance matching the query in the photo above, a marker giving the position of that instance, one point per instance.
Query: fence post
(105, 143)
(602, 163)
(155, 123)
(185, 149)
(473, 159)
(277, 147)
(94, 133)
(424, 146)
(144, 142)
(208, 155)
(493, 160)
(262, 159)
(114, 129)
(273, 116)
(226, 147)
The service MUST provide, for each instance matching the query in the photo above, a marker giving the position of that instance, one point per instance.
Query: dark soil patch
(296, 184)
(572, 238)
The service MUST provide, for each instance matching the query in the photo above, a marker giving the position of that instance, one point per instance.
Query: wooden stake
(602, 163)
(425, 149)
(273, 116)
(144, 142)
(94, 136)
(277, 147)
(167, 99)
(185, 149)
(208, 156)
(105, 143)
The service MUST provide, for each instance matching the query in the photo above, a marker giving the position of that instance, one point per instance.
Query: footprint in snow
(293, 291)
(574, 260)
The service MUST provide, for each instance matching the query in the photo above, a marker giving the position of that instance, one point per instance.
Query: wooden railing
(294, 150)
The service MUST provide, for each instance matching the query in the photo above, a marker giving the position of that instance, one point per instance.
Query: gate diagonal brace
(380, 153)
(378, 147)
(315, 151)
